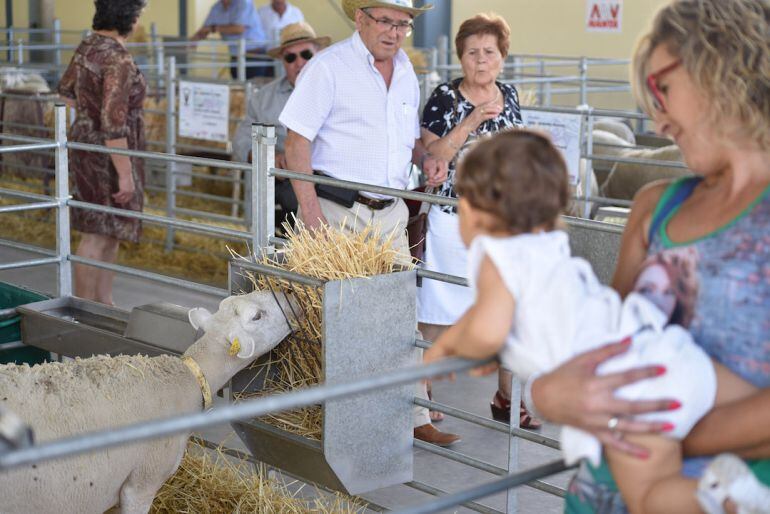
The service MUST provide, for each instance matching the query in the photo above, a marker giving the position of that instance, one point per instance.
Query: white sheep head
(253, 324)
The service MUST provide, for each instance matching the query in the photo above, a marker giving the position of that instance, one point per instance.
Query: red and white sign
(604, 15)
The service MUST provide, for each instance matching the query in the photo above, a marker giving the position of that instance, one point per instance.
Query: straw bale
(327, 254)
(213, 483)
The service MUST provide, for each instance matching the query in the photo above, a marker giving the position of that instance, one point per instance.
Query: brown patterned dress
(108, 90)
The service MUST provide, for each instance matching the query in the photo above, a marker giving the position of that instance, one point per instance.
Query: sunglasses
(305, 54)
(652, 85)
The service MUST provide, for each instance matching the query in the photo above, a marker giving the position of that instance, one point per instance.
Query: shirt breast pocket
(408, 120)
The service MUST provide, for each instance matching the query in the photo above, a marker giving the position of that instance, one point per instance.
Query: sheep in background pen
(626, 179)
(63, 399)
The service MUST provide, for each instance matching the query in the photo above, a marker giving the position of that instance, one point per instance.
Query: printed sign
(565, 135)
(204, 110)
(604, 15)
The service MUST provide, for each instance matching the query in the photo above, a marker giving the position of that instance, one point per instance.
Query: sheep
(63, 399)
(626, 179)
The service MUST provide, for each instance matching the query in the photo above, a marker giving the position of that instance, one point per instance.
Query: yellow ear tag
(234, 348)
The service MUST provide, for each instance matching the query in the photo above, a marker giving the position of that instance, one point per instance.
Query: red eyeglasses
(652, 85)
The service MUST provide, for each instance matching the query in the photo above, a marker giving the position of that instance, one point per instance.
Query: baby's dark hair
(519, 177)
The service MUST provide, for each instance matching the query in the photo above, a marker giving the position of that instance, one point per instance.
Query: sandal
(501, 411)
(435, 416)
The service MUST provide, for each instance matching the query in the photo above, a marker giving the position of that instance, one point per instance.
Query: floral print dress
(447, 108)
(108, 90)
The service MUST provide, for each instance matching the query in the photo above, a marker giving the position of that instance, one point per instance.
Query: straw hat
(295, 33)
(351, 6)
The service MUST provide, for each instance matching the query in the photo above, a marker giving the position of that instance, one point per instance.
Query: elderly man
(278, 14)
(353, 116)
(298, 45)
(233, 20)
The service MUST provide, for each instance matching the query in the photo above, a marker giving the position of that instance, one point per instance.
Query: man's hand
(435, 170)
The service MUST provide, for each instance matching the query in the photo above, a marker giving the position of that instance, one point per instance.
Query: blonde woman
(702, 72)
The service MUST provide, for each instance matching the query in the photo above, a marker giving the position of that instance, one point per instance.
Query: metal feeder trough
(73, 327)
(368, 327)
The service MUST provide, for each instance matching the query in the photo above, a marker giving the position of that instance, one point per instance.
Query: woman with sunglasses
(703, 75)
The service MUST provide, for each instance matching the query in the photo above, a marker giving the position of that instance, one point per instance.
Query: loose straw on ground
(327, 254)
(211, 482)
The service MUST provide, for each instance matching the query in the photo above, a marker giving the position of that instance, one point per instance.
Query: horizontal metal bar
(155, 277)
(28, 148)
(12, 193)
(604, 201)
(197, 161)
(13, 345)
(23, 139)
(7, 313)
(209, 215)
(632, 160)
(29, 263)
(467, 460)
(424, 345)
(26, 247)
(193, 194)
(547, 488)
(433, 491)
(482, 491)
(442, 277)
(280, 273)
(28, 207)
(460, 458)
(488, 423)
(162, 220)
(244, 410)
(593, 225)
(359, 186)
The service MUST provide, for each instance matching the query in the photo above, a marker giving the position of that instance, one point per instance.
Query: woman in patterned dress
(457, 114)
(703, 75)
(107, 90)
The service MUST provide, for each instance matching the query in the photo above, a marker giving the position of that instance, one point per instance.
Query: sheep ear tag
(241, 345)
(199, 318)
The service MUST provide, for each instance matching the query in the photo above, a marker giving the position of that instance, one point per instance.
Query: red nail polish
(660, 370)
(667, 427)
(643, 455)
(627, 341)
(674, 405)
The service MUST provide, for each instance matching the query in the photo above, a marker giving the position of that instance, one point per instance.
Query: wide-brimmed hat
(351, 6)
(295, 33)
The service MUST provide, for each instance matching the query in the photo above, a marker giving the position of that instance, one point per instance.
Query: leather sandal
(501, 411)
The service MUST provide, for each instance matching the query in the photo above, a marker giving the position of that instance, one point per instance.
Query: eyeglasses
(404, 28)
(291, 57)
(652, 86)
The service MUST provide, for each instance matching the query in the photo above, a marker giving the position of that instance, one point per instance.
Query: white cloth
(273, 23)
(361, 130)
(439, 303)
(264, 107)
(563, 310)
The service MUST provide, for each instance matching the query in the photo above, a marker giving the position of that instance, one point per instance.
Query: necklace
(464, 91)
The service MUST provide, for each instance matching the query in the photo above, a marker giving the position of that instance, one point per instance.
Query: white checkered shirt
(360, 129)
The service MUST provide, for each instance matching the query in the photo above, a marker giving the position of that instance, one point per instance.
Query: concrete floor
(469, 394)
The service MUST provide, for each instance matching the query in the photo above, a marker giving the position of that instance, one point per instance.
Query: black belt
(376, 205)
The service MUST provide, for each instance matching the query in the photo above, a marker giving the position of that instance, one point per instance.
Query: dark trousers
(255, 71)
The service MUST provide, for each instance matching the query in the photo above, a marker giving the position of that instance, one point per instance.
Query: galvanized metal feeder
(367, 327)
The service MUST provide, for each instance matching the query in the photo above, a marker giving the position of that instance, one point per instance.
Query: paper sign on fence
(565, 135)
(604, 15)
(204, 111)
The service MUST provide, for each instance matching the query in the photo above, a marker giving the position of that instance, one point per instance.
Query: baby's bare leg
(653, 485)
(730, 387)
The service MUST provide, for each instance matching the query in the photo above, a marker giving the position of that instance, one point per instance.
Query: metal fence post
(159, 56)
(512, 497)
(64, 281)
(170, 147)
(57, 50)
(587, 129)
(20, 53)
(241, 60)
(583, 81)
(263, 142)
(442, 42)
(541, 86)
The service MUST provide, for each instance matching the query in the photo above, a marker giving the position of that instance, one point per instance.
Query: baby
(537, 306)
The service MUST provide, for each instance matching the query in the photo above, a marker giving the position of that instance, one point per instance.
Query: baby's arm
(482, 330)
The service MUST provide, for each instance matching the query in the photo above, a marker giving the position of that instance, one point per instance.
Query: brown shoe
(432, 435)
